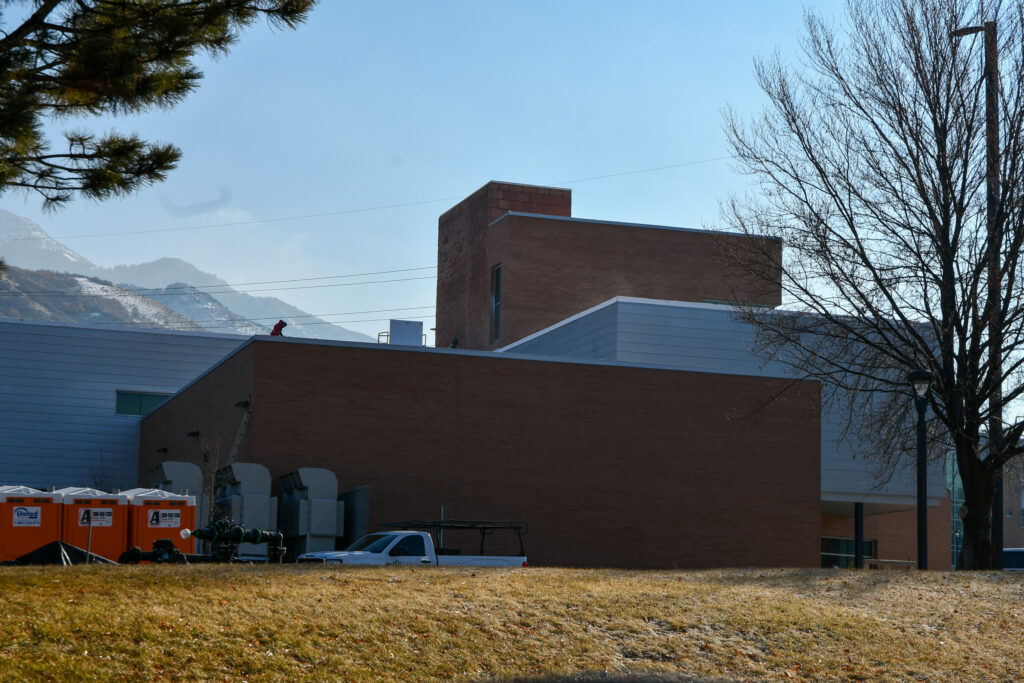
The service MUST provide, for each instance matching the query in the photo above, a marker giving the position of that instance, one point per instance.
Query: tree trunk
(976, 551)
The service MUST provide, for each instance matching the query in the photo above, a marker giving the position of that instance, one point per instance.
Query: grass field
(325, 623)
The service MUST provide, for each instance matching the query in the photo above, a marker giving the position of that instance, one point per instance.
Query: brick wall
(463, 266)
(553, 269)
(610, 466)
(207, 407)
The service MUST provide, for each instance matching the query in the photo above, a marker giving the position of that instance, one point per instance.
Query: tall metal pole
(995, 246)
(995, 421)
(921, 402)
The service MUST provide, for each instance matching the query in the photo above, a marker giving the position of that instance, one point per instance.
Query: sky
(332, 150)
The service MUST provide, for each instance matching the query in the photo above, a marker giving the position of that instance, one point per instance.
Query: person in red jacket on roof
(276, 332)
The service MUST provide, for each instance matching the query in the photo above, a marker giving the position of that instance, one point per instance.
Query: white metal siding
(58, 387)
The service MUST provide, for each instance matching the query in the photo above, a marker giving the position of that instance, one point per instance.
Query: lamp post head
(966, 31)
(920, 381)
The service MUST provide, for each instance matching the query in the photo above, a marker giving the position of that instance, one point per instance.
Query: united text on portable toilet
(312, 517)
(157, 514)
(95, 521)
(29, 519)
(243, 496)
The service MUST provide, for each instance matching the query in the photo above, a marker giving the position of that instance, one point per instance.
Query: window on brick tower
(495, 302)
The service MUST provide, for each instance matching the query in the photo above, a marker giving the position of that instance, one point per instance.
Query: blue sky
(387, 102)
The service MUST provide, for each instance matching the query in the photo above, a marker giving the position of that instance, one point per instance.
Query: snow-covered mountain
(204, 310)
(179, 286)
(61, 297)
(26, 245)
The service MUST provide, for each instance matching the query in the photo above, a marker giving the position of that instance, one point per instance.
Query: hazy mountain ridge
(58, 297)
(25, 245)
(203, 309)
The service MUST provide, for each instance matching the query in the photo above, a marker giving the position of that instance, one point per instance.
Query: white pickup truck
(414, 547)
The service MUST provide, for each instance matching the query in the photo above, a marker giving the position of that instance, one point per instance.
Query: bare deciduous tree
(870, 166)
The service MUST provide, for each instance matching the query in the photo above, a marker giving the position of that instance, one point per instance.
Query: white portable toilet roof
(136, 496)
(21, 491)
(70, 492)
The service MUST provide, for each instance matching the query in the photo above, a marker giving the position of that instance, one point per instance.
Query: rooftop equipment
(312, 517)
(405, 332)
(184, 478)
(243, 496)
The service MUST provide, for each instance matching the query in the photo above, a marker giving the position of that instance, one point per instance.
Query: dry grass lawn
(337, 623)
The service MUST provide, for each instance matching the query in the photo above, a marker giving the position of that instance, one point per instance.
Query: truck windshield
(374, 543)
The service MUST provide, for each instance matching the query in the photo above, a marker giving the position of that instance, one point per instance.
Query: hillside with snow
(172, 286)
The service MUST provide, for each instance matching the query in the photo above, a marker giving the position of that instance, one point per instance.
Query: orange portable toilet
(105, 513)
(157, 514)
(29, 519)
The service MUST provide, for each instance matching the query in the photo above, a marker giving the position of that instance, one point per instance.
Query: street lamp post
(920, 381)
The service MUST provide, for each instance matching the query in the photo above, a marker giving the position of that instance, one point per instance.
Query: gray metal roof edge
(624, 224)
(668, 303)
(114, 328)
(559, 324)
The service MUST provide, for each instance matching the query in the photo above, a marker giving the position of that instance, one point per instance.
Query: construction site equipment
(243, 497)
(224, 537)
(312, 517)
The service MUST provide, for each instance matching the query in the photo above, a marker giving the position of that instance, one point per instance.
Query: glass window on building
(137, 403)
(496, 302)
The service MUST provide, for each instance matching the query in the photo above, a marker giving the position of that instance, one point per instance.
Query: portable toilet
(243, 496)
(29, 519)
(184, 478)
(156, 515)
(95, 521)
(312, 517)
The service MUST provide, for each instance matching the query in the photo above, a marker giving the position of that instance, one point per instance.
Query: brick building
(610, 464)
(643, 444)
(512, 261)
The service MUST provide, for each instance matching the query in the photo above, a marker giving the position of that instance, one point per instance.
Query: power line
(298, 279)
(54, 294)
(256, 221)
(221, 327)
(242, 319)
(367, 209)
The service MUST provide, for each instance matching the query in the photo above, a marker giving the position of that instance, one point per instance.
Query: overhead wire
(176, 291)
(217, 289)
(242, 319)
(322, 322)
(367, 209)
